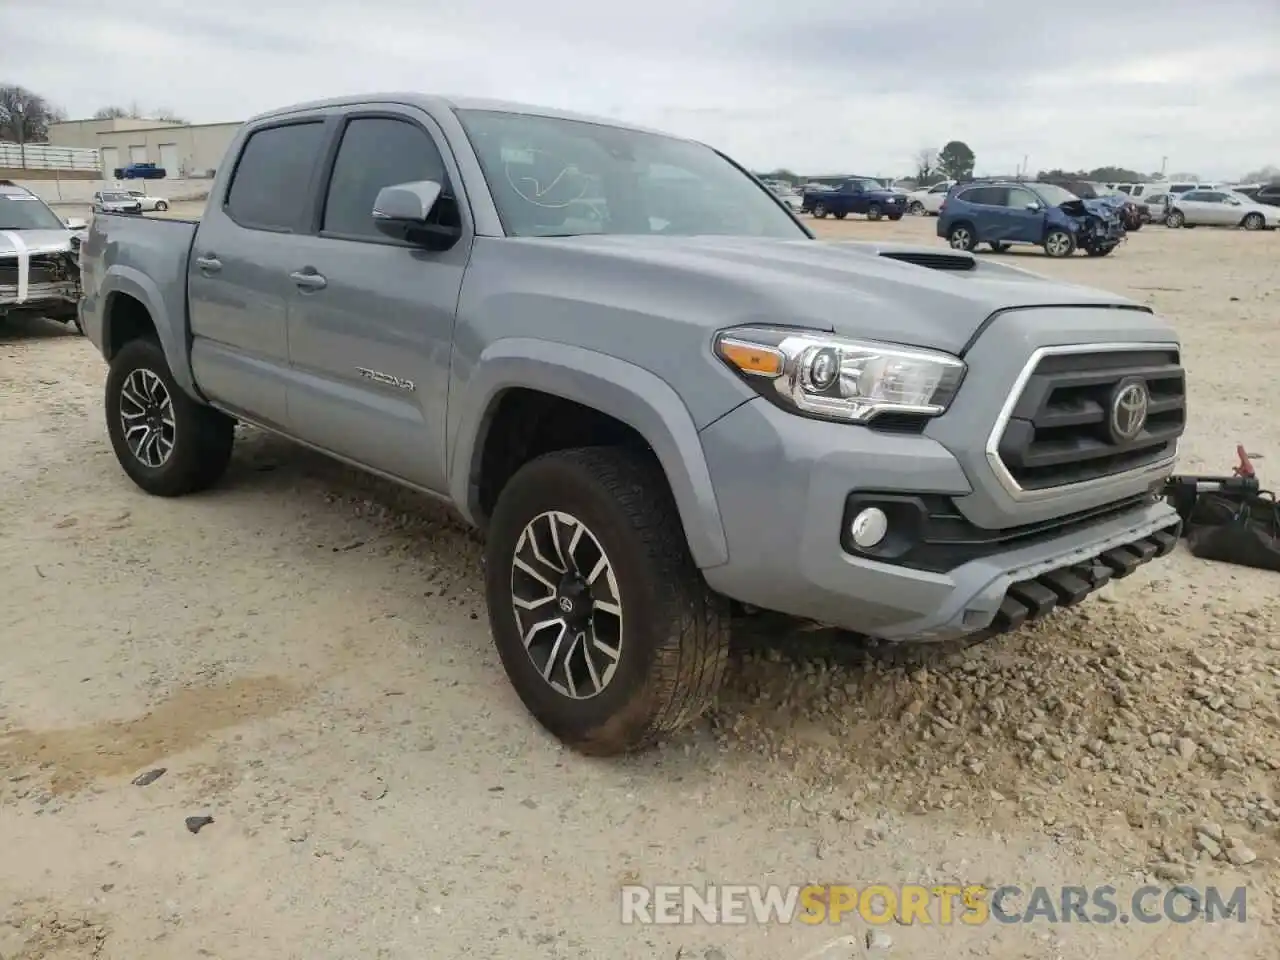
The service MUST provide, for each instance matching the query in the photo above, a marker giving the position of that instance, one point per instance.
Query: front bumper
(782, 483)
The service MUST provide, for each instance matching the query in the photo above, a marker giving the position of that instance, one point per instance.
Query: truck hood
(14, 242)
(915, 295)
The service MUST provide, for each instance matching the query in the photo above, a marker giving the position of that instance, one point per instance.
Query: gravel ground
(304, 651)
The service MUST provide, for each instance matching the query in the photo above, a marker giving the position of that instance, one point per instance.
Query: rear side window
(272, 182)
(379, 152)
(1197, 195)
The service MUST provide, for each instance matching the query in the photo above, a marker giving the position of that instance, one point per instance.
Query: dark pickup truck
(858, 195)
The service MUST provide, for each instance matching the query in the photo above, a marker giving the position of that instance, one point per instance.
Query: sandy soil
(304, 651)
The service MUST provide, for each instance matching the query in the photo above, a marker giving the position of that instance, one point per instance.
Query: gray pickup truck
(660, 398)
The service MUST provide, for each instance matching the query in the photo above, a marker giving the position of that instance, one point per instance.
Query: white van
(1140, 190)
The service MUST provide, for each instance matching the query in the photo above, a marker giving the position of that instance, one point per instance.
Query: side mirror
(75, 223)
(1033, 207)
(403, 211)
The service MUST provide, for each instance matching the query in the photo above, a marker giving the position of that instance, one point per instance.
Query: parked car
(149, 203)
(1157, 207)
(1221, 208)
(928, 200)
(647, 418)
(1042, 214)
(39, 261)
(1268, 193)
(861, 195)
(115, 201)
(793, 200)
(139, 171)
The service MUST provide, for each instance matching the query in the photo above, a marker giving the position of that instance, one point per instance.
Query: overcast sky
(814, 85)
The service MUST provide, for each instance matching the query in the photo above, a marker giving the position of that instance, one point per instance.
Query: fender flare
(134, 283)
(622, 390)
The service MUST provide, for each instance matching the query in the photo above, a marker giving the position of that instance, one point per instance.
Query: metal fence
(41, 156)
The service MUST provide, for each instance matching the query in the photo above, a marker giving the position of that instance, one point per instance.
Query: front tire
(166, 442)
(1059, 243)
(161, 206)
(1254, 221)
(1176, 219)
(819, 210)
(874, 212)
(625, 642)
(915, 208)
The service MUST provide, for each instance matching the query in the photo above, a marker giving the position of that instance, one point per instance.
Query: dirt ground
(304, 651)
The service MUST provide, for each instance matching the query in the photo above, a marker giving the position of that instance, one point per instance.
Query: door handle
(309, 281)
(209, 263)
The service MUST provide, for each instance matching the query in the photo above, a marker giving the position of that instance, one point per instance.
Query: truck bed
(148, 258)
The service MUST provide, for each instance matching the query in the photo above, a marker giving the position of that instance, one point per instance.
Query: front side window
(1200, 196)
(379, 152)
(941, 188)
(1019, 198)
(555, 177)
(271, 185)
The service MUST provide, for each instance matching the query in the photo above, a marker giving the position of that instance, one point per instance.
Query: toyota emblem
(1129, 408)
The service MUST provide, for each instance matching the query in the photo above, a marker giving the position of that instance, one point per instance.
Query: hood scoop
(934, 261)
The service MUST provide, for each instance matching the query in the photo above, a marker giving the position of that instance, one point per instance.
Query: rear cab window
(271, 184)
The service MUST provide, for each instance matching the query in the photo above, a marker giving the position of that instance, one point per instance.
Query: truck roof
(439, 101)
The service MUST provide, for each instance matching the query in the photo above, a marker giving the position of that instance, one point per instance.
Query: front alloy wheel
(564, 594)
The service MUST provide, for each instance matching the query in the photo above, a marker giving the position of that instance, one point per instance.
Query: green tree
(956, 160)
(1115, 175)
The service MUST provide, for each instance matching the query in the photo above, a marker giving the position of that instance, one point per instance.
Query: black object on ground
(196, 824)
(151, 776)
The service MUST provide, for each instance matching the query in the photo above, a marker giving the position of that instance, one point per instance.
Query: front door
(371, 320)
(1022, 220)
(238, 284)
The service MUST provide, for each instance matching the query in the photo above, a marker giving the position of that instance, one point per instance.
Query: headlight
(840, 379)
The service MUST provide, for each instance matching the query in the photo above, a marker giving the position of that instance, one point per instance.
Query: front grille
(42, 268)
(1062, 429)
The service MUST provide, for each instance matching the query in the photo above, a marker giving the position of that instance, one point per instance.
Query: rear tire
(819, 210)
(161, 205)
(895, 217)
(841, 215)
(962, 237)
(172, 445)
(915, 208)
(1254, 221)
(669, 631)
(874, 212)
(1175, 219)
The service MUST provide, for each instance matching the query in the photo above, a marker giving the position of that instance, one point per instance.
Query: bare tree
(25, 116)
(135, 112)
(926, 162)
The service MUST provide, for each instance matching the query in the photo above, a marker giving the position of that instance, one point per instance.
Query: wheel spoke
(541, 625)
(528, 568)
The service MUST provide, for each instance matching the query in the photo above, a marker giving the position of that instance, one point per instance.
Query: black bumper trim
(1033, 599)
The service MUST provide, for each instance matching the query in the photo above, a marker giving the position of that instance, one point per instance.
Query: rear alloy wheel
(1059, 243)
(915, 208)
(874, 212)
(604, 624)
(819, 210)
(1254, 221)
(161, 205)
(167, 442)
(961, 237)
(1176, 219)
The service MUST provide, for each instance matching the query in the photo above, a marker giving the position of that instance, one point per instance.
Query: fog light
(869, 527)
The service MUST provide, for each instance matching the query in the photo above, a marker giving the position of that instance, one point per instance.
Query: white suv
(928, 200)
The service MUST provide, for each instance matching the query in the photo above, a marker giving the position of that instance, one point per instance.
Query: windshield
(25, 212)
(1054, 195)
(553, 178)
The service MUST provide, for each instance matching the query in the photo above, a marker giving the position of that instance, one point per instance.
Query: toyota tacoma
(656, 394)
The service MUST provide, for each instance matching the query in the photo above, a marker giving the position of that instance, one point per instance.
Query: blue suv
(1002, 213)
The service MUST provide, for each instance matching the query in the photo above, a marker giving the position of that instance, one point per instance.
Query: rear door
(371, 320)
(238, 281)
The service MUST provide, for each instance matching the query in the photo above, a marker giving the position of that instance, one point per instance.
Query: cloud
(821, 85)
